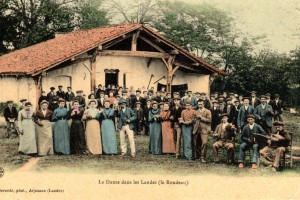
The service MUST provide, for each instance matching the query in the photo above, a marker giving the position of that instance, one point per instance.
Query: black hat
(228, 99)
(236, 101)
(278, 123)
(214, 101)
(223, 115)
(28, 104)
(117, 95)
(276, 95)
(78, 91)
(253, 92)
(9, 101)
(138, 91)
(60, 86)
(176, 93)
(189, 91)
(203, 93)
(251, 116)
(101, 92)
(22, 100)
(198, 93)
(268, 94)
(69, 87)
(246, 98)
(262, 96)
(150, 90)
(52, 88)
(124, 91)
(221, 96)
(138, 102)
(161, 103)
(148, 100)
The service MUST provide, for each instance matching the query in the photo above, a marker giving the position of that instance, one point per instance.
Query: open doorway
(111, 77)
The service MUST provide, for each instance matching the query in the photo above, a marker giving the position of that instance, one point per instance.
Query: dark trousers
(200, 145)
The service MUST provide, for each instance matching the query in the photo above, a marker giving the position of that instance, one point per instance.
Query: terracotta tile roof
(38, 57)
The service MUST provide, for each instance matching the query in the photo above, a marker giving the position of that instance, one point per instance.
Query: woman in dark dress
(77, 134)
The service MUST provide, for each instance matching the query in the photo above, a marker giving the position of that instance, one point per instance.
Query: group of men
(193, 118)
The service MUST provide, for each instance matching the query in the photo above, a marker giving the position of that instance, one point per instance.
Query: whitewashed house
(126, 54)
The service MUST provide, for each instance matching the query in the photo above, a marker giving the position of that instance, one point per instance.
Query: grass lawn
(144, 163)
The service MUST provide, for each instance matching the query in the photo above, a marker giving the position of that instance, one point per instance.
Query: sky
(279, 20)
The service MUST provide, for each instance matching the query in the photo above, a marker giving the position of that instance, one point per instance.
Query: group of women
(46, 132)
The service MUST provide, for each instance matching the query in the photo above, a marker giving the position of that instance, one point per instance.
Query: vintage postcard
(149, 99)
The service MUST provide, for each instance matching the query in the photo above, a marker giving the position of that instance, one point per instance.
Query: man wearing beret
(60, 93)
(264, 114)
(248, 141)
(279, 141)
(69, 97)
(126, 120)
(10, 115)
(51, 96)
(278, 107)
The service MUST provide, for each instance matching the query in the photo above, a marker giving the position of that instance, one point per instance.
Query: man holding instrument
(248, 141)
(278, 142)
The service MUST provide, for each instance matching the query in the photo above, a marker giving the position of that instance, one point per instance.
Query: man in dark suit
(244, 111)
(146, 110)
(215, 115)
(69, 97)
(278, 107)
(264, 114)
(51, 96)
(206, 100)
(162, 98)
(139, 118)
(42, 98)
(235, 112)
(137, 98)
(101, 99)
(10, 115)
(176, 113)
(254, 101)
(99, 89)
(268, 99)
(60, 93)
(79, 97)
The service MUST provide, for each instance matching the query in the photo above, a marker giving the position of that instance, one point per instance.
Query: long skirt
(93, 137)
(44, 138)
(61, 137)
(77, 137)
(28, 139)
(168, 138)
(109, 138)
(187, 140)
(155, 138)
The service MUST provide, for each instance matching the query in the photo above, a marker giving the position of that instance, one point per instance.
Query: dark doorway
(111, 78)
(175, 88)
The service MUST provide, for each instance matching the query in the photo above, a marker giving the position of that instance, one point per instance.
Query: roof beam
(115, 41)
(147, 54)
(152, 44)
(185, 66)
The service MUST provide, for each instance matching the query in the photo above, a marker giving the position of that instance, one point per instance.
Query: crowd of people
(169, 120)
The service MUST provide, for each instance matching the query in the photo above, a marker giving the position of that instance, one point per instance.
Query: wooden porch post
(38, 89)
(93, 71)
(171, 72)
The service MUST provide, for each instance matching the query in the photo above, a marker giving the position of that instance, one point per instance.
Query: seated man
(279, 141)
(225, 134)
(249, 141)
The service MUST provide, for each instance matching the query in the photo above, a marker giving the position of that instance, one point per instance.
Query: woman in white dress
(27, 130)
